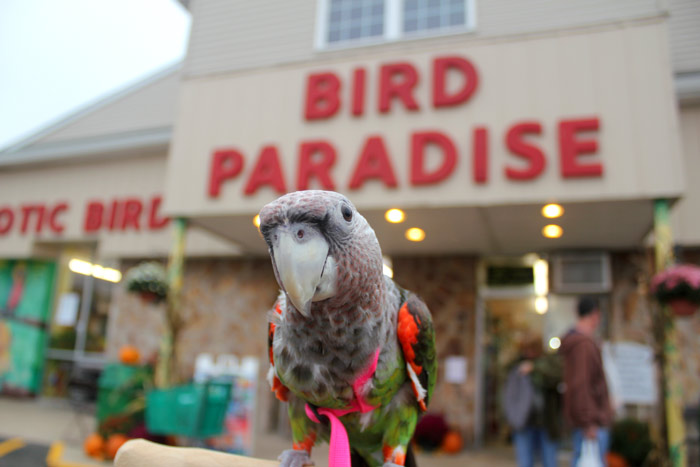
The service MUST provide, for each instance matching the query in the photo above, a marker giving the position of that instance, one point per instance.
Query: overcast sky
(57, 56)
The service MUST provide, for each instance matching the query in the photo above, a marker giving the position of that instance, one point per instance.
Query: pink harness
(339, 453)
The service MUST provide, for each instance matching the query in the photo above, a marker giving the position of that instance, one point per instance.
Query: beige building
(469, 116)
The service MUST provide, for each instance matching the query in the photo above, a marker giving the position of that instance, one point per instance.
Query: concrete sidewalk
(45, 422)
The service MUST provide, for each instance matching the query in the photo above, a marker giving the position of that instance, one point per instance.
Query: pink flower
(675, 282)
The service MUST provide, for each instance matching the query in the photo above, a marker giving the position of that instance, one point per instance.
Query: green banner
(26, 289)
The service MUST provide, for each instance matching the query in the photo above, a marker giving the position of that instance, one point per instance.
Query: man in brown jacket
(586, 402)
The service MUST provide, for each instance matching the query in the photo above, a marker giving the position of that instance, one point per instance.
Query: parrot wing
(417, 337)
(280, 390)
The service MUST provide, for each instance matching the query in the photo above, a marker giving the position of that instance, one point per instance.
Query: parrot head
(321, 249)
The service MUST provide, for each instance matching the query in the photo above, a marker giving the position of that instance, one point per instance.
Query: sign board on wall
(634, 366)
(119, 214)
(469, 124)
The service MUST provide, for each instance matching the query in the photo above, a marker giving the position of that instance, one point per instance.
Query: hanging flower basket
(148, 280)
(682, 307)
(678, 287)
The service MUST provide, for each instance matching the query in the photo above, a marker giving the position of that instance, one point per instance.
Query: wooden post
(671, 391)
(166, 369)
(142, 453)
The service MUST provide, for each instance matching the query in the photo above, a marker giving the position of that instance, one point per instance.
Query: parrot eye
(347, 212)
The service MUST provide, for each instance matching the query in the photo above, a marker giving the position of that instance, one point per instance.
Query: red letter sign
(267, 171)
(481, 155)
(373, 163)
(53, 222)
(358, 92)
(7, 218)
(153, 221)
(132, 213)
(322, 99)
(319, 168)
(570, 148)
(226, 163)
(389, 88)
(419, 176)
(528, 151)
(440, 68)
(93, 216)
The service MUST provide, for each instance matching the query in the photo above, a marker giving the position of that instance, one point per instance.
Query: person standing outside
(586, 401)
(531, 403)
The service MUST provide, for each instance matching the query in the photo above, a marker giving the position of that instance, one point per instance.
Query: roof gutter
(73, 149)
(687, 87)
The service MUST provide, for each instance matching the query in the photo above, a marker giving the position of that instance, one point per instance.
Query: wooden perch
(142, 453)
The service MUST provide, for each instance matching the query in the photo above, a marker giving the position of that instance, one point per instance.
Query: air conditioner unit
(581, 273)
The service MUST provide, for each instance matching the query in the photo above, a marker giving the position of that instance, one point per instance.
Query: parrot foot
(391, 464)
(294, 458)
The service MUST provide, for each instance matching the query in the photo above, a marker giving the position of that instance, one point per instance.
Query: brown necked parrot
(344, 339)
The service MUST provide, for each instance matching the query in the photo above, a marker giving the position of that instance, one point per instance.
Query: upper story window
(358, 22)
(355, 19)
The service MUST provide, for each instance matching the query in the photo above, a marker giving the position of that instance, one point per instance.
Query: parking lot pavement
(41, 424)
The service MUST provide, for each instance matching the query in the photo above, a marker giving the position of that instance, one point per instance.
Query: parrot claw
(294, 458)
(391, 464)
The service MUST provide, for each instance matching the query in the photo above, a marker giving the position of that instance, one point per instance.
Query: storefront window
(79, 325)
(96, 329)
(357, 22)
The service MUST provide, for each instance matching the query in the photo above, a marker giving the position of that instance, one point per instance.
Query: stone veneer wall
(689, 343)
(632, 310)
(225, 302)
(448, 287)
(224, 305)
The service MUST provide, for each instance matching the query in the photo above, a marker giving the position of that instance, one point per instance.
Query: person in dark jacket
(586, 402)
(531, 403)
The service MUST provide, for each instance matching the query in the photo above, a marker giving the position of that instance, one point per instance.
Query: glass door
(510, 323)
(79, 325)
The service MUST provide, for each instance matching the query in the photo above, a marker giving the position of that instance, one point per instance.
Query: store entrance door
(510, 323)
(77, 333)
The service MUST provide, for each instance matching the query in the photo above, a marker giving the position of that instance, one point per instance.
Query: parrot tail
(410, 457)
(357, 460)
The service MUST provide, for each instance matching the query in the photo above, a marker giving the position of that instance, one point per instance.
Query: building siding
(686, 223)
(684, 34)
(233, 35)
(138, 108)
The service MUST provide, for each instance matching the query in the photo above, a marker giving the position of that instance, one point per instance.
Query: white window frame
(393, 26)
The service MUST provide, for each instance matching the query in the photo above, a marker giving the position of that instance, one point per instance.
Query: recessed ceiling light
(552, 231)
(256, 220)
(394, 216)
(541, 305)
(415, 234)
(552, 210)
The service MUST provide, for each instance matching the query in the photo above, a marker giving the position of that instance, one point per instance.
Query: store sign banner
(580, 116)
(119, 214)
(329, 95)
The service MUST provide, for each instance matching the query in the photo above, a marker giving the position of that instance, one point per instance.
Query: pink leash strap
(339, 447)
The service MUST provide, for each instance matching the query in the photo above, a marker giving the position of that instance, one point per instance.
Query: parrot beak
(300, 254)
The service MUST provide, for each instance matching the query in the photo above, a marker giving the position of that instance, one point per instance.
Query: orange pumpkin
(452, 442)
(93, 445)
(129, 355)
(616, 460)
(114, 442)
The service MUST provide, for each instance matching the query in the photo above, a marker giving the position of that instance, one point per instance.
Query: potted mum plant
(678, 287)
(149, 280)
